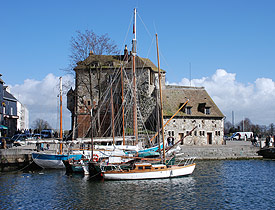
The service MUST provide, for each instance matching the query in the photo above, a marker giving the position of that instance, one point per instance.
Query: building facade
(13, 115)
(110, 79)
(23, 116)
(200, 115)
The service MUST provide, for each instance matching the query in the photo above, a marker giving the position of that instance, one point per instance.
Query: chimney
(125, 57)
(91, 52)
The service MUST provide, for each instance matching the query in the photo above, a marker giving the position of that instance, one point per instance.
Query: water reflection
(213, 185)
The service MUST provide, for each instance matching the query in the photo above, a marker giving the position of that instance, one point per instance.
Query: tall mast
(161, 108)
(134, 53)
(122, 99)
(113, 116)
(60, 95)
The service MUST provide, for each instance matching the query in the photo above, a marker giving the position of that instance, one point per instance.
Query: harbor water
(219, 184)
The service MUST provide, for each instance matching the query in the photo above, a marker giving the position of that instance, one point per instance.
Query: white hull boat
(149, 171)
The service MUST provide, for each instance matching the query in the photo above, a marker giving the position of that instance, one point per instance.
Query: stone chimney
(125, 57)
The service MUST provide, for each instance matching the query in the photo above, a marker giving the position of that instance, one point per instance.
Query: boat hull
(52, 161)
(268, 152)
(173, 171)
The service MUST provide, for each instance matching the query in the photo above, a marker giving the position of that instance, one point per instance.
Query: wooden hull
(173, 171)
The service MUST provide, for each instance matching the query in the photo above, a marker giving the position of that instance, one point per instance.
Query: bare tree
(88, 41)
(40, 124)
(227, 126)
(82, 44)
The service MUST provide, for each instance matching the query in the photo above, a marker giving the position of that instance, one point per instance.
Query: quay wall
(232, 150)
(18, 157)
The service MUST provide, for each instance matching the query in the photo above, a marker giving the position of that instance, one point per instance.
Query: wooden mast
(113, 116)
(122, 99)
(134, 52)
(169, 120)
(161, 108)
(60, 96)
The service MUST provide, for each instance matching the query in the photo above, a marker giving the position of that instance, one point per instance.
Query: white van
(242, 136)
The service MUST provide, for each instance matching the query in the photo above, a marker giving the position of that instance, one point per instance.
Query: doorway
(181, 136)
(209, 138)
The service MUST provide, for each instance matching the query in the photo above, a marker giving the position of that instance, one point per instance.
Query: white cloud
(42, 99)
(254, 101)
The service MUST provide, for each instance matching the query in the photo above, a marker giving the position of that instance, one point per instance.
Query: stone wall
(206, 128)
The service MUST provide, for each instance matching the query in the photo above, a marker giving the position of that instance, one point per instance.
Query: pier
(232, 150)
(16, 158)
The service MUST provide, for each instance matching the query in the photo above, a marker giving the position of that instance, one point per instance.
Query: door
(209, 138)
(181, 135)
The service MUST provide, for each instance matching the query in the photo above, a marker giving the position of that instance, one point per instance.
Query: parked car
(47, 133)
(38, 136)
(242, 136)
(20, 139)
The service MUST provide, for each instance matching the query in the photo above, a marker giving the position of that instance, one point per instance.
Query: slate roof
(9, 96)
(115, 61)
(175, 96)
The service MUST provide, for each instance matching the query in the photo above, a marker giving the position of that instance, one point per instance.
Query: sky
(226, 46)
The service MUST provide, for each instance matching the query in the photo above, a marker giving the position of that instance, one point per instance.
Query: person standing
(271, 141)
(267, 141)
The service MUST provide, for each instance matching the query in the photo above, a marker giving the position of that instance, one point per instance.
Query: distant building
(9, 109)
(23, 116)
(97, 73)
(13, 115)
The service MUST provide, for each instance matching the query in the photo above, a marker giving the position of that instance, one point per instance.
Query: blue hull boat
(53, 161)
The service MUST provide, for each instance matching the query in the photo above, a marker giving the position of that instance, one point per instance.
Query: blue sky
(237, 36)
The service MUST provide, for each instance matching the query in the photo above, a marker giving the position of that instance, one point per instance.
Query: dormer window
(207, 110)
(95, 63)
(188, 110)
(201, 107)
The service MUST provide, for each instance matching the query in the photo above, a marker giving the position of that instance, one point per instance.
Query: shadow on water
(240, 184)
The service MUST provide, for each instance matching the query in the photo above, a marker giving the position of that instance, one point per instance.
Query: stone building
(99, 73)
(102, 75)
(200, 113)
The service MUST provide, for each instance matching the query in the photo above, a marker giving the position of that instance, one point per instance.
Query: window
(147, 167)
(151, 78)
(207, 110)
(201, 107)
(140, 167)
(173, 133)
(183, 109)
(4, 110)
(11, 111)
(188, 110)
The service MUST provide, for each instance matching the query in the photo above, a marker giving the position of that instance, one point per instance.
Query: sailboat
(53, 160)
(148, 169)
